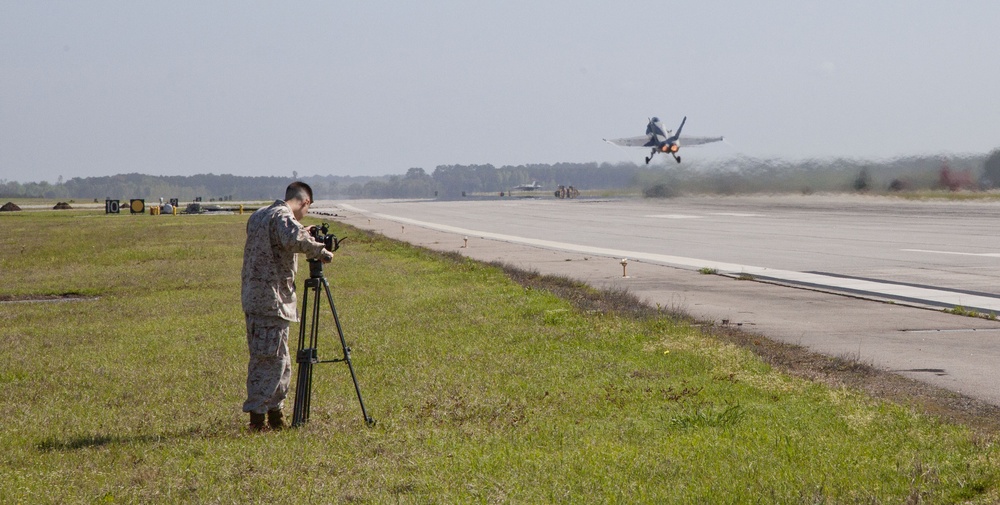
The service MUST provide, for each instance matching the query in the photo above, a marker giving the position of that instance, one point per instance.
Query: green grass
(484, 391)
(959, 310)
(943, 194)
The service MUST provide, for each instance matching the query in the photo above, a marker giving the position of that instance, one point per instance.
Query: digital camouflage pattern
(270, 369)
(274, 237)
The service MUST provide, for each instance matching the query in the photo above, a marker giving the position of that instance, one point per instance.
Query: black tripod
(308, 356)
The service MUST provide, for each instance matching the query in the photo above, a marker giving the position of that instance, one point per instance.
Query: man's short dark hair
(299, 190)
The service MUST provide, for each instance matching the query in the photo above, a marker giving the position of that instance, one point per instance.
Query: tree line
(187, 188)
(448, 181)
(731, 176)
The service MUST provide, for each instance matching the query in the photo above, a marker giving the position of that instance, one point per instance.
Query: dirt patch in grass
(64, 297)
(792, 359)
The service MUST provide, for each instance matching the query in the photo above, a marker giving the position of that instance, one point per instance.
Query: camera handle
(306, 357)
(337, 242)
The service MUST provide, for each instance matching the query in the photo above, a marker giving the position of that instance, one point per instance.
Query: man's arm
(295, 237)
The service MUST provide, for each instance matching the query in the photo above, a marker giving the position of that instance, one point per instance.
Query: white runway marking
(984, 255)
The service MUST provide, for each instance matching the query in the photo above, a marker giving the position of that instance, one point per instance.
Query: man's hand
(327, 256)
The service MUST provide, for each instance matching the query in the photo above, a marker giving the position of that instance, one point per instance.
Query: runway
(929, 255)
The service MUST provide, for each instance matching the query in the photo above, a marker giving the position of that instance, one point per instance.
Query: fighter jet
(529, 187)
(662, 141)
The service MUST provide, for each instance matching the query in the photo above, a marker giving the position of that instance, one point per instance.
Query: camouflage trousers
(270, 369)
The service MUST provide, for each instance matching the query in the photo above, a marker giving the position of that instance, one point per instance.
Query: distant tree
(416, 173)
(991, 170)
(355, 190)
(862, 181)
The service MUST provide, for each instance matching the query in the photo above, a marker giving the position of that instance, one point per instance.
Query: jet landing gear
(650, 157)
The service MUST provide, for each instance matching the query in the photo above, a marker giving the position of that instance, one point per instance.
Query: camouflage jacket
(274, 237)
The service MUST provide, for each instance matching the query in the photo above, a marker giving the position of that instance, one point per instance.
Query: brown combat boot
(275, 419)
(257, 422)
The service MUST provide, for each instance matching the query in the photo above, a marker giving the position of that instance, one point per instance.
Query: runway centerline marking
(925, 295)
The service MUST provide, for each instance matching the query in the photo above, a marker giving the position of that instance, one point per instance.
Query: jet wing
(643, 141)
(697, 141)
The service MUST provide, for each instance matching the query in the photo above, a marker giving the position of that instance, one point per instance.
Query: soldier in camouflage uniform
(274, 236)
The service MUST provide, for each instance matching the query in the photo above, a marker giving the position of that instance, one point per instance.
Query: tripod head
(315, 269)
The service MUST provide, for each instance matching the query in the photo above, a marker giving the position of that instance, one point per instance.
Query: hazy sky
(371, 87)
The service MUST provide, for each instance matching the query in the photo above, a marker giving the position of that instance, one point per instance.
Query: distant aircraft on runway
(662, 141)
(528, 187)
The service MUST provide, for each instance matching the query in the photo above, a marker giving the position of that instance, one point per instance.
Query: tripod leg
(305, 356)
(347, 354)
(300, 380)
(303, 383)
(313, 342)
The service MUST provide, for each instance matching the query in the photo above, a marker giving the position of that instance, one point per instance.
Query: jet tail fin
(681, 127)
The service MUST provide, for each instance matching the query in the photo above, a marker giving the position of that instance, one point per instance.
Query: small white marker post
(624, 263)
(466, 239)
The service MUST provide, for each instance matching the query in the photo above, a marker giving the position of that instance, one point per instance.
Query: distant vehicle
(564, 192)
(528, 187)
(662, 141)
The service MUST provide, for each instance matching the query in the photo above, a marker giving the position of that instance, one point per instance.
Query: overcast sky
(93, 88)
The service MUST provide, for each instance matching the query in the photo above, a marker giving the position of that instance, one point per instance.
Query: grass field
(484, 391)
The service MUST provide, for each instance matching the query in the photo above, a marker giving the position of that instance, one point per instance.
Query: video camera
(322, 234)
